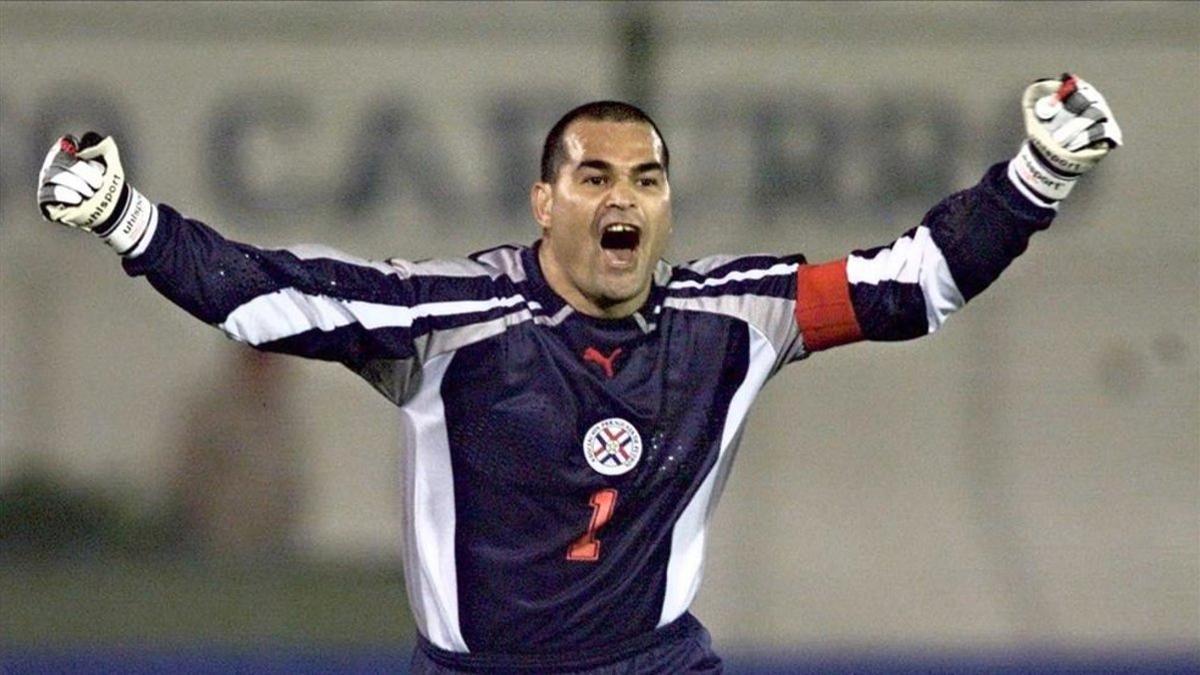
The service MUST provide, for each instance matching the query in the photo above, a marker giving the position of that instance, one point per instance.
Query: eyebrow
(601, 165)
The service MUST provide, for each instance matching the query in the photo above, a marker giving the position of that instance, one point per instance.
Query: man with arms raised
(572, 408)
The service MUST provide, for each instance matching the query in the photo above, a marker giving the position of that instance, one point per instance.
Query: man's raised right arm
(309, 301)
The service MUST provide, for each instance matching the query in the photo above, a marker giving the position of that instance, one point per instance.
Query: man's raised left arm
(908, 288)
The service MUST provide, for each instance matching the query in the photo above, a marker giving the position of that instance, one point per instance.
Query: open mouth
(620, 237)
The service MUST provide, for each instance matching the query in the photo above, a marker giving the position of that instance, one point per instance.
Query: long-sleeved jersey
(560, 470)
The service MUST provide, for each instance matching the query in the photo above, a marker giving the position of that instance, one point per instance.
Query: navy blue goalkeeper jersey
(560, 471)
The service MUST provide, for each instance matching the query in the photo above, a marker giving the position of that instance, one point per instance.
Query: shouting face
(606, 216)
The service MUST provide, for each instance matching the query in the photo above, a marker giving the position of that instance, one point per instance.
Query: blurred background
(1019, 491)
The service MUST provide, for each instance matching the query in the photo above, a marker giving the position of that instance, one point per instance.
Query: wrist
(129, 229)
(1037, 180)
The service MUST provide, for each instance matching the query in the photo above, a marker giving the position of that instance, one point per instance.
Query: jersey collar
(646, 317)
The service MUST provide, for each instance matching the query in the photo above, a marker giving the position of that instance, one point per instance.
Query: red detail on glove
(824, 311)
(67, 145)
(1068, 87)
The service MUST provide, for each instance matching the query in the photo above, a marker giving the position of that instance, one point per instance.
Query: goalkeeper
(572, 407)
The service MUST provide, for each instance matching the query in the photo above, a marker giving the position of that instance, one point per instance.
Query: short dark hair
(553, 153)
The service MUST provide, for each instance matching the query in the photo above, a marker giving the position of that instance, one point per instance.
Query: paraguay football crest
(612, 446)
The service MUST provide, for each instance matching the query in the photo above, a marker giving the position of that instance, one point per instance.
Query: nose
(620, 196)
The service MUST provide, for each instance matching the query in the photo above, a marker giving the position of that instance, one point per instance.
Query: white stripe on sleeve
(289, 312)
(912, 260)
(740, 275)
(284, 313)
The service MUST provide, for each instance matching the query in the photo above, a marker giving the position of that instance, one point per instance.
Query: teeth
(620, 236)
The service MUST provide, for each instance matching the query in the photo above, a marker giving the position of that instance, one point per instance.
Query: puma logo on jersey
(593, 355)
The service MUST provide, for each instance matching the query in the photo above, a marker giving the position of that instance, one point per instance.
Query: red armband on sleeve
(824, 311)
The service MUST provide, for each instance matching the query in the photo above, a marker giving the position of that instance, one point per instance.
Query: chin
(617, 294)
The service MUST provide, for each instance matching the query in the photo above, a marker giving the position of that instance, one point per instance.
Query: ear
(541, 200)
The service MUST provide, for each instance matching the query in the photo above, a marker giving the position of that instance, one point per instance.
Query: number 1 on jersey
(587, 547)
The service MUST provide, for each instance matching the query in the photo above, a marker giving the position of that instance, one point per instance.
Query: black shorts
(682, 646)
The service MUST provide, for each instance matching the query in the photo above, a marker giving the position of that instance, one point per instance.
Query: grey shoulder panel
(775, 318)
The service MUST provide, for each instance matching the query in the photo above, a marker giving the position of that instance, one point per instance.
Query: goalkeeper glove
(82, 184)
(1069, 128)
